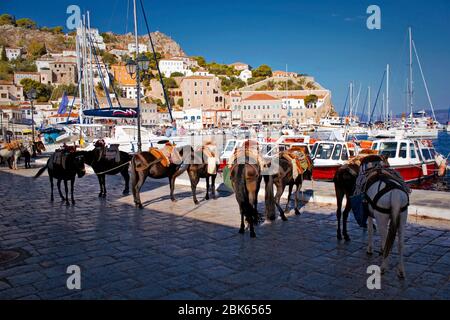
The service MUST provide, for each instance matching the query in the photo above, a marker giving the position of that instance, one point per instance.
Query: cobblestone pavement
(182, 251)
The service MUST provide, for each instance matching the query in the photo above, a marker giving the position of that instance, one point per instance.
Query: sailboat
(417, 125)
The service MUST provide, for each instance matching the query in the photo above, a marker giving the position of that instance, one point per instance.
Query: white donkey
(11, 153)
(388, 202)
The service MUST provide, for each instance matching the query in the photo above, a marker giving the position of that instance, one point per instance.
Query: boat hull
(411, 173)
(325, 173)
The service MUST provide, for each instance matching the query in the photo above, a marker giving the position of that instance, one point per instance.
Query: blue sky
(326, 38)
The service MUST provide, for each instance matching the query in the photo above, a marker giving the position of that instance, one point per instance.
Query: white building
(245, 75)
(192, 119)
(43, 63)
(130, 92)
(69, 53)
(132, 48)
(239, 66)
(298, 102)
(119, 53)
(203, 73)
(95, 36)
(169, 66)
(13, 53)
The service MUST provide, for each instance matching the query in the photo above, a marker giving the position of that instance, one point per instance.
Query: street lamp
(134, 68)
(31, 95)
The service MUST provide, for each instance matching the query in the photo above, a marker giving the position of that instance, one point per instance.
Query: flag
(64, 103)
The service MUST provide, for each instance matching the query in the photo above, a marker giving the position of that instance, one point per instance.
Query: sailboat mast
(368, 104)
(138, 88)
(91, 75)
(411, 102)
(387, 92)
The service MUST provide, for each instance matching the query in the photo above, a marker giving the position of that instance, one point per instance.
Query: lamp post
(31, 95)
(134, 69)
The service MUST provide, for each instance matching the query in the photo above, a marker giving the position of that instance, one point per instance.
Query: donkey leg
(101, 187)
(67, 192)
(347, 209)
(401, 241)
(370, 235)
(242, 228)
(339, 198)
(213, 186)
(286, 209)
(51, 187)
(280, 190)
(383, 223)
(297, 191)
(252, 230)
(140, 179)
(59, 189)
(126, 178)
(72, 183)
(104, 185)
(172, 188)
(194, 183)
(207, 187)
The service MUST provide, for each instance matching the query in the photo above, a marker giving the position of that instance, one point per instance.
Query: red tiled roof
(260, 96)
(64, 115)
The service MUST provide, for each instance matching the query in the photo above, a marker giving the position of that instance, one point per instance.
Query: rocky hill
(56, 42)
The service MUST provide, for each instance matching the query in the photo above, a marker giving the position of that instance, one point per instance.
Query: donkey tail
(393, 228)
(40, 172)
(269, 198)
(242, 194)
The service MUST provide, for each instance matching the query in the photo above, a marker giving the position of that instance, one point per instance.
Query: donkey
(103, 165)
(149, 164)
(388, 199)
(202, 168)
(246, 180)
(284, 176)
(73, 166)
(344, 185)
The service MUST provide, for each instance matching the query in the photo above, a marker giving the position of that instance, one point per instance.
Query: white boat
(415, 132)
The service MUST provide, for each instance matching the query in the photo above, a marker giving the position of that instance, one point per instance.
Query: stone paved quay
(182, 251)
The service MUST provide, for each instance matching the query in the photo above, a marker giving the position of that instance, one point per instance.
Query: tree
(176, 74)
(180, 102)
(43, 92)
(170, 83)
(36, 49)
(311, 85)
(262, 71)
(254, 80)
(231, 83)
(6, 19)
(311, 100)
(69, 89)
(26, 23)
(220, 69)
(57, 29)
(6, 72)
(108, 58)
(200, 60)
(3, 55)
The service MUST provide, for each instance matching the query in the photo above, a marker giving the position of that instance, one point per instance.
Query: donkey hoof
(206, 197)
(346, 237)
(73, 202)
(100, 195)
(173, 199)
(401, 274)
(241, 230)
(297, 212)
(196, 202)
(284, 218)
(126, 192)
(139, 206)
(339, 236)
(252, 234)
(104, 195)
